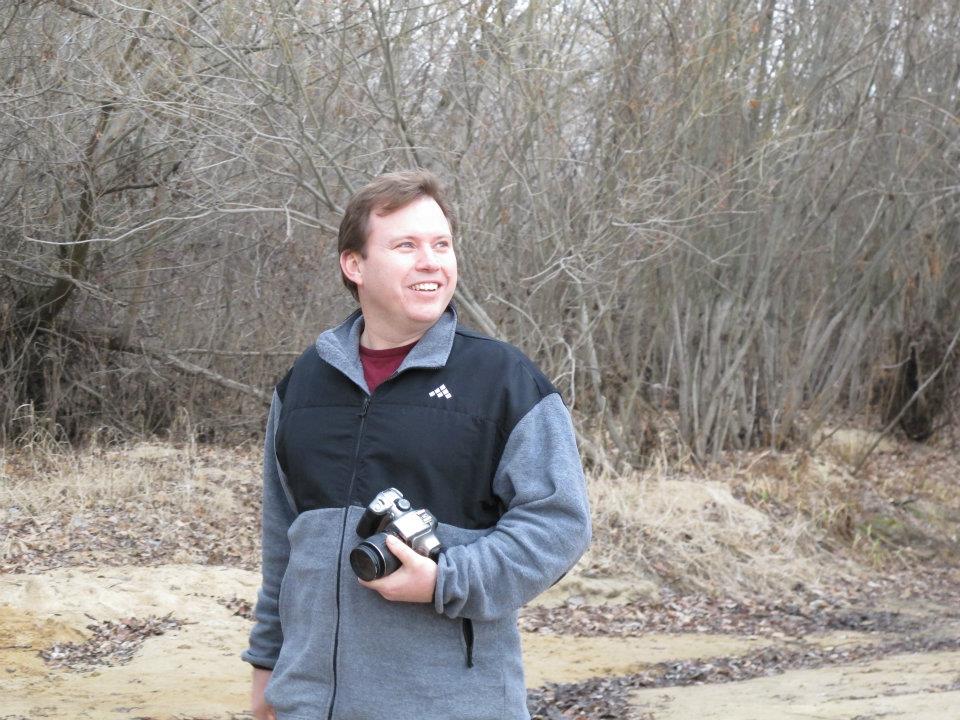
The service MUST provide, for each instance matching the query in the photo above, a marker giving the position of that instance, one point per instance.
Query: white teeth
(426, 286)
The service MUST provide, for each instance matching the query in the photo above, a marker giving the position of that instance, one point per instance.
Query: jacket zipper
(343, 531)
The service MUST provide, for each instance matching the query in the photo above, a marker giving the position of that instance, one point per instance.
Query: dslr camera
(389, 513)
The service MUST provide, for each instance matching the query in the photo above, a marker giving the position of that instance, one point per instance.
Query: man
(399, 395)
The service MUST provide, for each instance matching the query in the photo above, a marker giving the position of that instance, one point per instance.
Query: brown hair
(382, 196)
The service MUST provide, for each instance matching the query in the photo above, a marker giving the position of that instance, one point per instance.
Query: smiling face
(407, 274)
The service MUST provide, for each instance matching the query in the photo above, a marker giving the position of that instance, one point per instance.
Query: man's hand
(261, 711)
(413, 581)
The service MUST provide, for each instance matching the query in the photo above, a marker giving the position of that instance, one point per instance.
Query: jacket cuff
(261, 663)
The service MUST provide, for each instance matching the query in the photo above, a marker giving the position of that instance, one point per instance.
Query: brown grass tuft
(694, 534)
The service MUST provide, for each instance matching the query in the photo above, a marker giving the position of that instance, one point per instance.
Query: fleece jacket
(468, 428)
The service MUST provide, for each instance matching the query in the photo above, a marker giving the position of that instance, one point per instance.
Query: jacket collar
(340, 346)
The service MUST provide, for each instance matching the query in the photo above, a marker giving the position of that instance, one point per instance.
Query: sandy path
(195, 672)
(900, 686)
(554, 658)
(190, 672)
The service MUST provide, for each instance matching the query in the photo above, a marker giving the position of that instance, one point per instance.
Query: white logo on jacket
(440, 392)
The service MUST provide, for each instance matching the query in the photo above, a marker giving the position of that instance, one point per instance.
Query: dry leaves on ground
(241, 607)
(701, 614)
(602, 698)
(112, 643)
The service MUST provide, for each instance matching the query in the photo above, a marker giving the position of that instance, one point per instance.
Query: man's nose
(427, 258)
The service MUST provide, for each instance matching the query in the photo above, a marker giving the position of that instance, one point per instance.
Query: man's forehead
(414, 220)
(424, 203)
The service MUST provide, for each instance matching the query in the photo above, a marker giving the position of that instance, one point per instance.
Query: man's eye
(406, 244)
(443, 244)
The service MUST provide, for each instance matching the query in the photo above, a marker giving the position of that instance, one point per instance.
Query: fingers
(265, 712)
(414, 581)
(261, 710)
(405, 554)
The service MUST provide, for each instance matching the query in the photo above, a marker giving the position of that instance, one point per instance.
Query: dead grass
(43, 475)
(694, 534)
(143, 503)
(765, 522)
(900, 509)
(755, 523)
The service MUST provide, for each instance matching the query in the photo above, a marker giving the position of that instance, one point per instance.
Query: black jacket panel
(440, 452)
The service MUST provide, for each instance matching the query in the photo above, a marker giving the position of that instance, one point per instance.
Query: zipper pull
(363, 408)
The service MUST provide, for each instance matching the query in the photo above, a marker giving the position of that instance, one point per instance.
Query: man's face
(408, 276)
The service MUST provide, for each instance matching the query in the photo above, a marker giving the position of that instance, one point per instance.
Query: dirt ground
(902, 686)
(194, 671)
(777, 586)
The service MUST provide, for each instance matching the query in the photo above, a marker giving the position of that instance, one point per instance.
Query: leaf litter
(112, 643)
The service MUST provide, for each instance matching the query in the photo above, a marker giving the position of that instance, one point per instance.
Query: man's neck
(375, 338)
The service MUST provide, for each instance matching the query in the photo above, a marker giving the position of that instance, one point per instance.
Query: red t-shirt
(378, 365)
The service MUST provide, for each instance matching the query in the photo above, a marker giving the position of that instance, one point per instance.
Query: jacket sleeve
(278, 513)
(544, 531)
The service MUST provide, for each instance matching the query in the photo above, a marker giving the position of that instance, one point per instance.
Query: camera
(390, 513)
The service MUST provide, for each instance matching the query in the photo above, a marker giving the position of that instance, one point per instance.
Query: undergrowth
(754, 523)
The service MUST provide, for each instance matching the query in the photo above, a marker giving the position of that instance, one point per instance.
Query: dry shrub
(902, 509)
(799, 484)
(847, 446)
(766, 521)
(724, 210)
(696, 535)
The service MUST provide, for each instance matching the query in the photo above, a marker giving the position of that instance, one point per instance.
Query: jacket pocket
(414, 652)
(467, 629)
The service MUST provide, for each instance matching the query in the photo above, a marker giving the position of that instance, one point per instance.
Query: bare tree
(727, 221)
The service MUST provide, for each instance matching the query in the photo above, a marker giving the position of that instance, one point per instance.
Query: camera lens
(371, 559)
(366, 562)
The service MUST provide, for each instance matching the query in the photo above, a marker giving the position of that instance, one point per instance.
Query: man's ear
(350, 265)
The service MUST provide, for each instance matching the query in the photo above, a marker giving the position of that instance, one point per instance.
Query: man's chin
(429, 307)
(424, 318)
